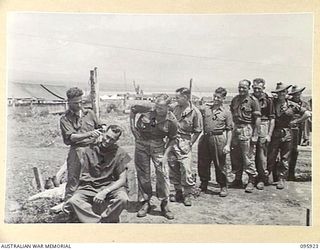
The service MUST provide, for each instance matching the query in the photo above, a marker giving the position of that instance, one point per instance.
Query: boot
(49, 183)
(144, 209)
(166, 211)
(223, 192)
(204, 186)
(55, 181)
(260, 185)
(268, 180)
(306, 142)
(178, 197)
(291, 177)
(187, 200)
(250, 187)
(280, 184)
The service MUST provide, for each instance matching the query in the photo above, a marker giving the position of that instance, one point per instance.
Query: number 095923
(308, 246)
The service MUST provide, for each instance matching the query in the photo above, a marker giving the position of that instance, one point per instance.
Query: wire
(159, 52)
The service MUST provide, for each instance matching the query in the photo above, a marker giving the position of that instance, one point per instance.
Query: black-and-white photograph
(159, 118)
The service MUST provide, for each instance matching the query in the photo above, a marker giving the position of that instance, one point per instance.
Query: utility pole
(94, 91)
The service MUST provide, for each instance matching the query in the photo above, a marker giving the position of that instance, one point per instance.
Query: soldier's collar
(81, 113)
(263, 96)
(221, 107)
(245, 99)
(188, 110)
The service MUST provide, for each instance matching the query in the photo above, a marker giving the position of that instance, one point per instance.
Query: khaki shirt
(103, 166)
(267, 108)
(302, 104)
(286, 112)
(71, 123)
(216, 120)
(151, 128)
(189, 120)
(245, 109)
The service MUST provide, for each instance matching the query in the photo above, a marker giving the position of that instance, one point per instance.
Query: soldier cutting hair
(79, 128)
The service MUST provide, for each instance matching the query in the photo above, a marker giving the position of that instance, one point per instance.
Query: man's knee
(74, 199)
(122, 198)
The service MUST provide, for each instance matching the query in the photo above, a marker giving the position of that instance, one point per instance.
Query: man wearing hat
(246, 115)
(79, 128)
(298, 131)
(266, 129)
(102, 195)
(281, 141)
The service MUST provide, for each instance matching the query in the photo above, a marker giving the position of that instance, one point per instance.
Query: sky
(160, 52)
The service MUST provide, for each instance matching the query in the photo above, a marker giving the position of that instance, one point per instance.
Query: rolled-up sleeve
(138, 108)
(66, 130)
(229, 123)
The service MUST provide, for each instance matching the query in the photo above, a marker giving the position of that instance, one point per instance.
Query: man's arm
(194, 137)
(302, 111)
(229, 127)
(301, 119)
(227, 147)
(101, 196)
(270, 130)
(134, 131)
(256, 129)
(271, 116)
(71, 136)
(256, 109)
(81, 137)
(198, 126)
(172, 136)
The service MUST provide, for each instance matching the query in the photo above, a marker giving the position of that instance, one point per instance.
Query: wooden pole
(308, 217)
(38, 178)
(94, 91)
(97, 90)
(190, 87)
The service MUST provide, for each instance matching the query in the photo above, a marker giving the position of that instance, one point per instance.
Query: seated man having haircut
(101, 195)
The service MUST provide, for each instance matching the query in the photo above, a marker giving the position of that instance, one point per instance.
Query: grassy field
(35, 141)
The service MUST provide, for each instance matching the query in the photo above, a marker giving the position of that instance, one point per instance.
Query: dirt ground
(36, 142)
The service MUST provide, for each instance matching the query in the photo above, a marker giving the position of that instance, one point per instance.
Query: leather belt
(214, 133)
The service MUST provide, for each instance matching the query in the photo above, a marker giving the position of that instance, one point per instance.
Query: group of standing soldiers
(259, 132)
